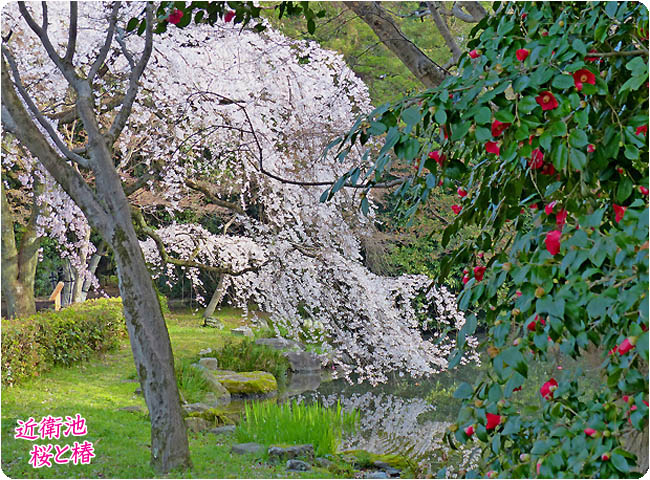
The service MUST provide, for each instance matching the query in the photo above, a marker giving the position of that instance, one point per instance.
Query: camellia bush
(542, 132)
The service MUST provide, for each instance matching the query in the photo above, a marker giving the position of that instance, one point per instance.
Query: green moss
(365, 458)
(247, 382)
(213, 415)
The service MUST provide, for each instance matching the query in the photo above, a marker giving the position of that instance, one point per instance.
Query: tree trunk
(424, 69)
(19, 264)
(92, 268)
(217, 296)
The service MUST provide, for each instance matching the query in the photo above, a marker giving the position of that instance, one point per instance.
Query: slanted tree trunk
(19, 263)
(107, 209)
(217, 296)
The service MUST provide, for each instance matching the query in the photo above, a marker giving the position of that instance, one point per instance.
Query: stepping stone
(298, 466)
(243, 331)
(324, 463)
(245, 448)
(223, 430)
(213, 323)
(293, 451)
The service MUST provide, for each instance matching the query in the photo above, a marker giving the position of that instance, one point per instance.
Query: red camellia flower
(175, 17)
(492, 147)
(474, 54)
(548, 169)
(643, 190)
(604, 457)
(469, 431)
(583, 76)
(478, 273)
(560, 217)
(553, 241)
(437, 156)
(625, 346)
(536, 159)
(626, 398)
(589, 432)
(492, 421)
(548, 209)
(619, 211)
(547, 100)
(533, 323)
(591, 148)
(522, 54)
(643, 129)
(518, 293)
(533, 206)
(498, 127)
(229, 16)
(465, 279)
(456, 209)
(548, 388)
(461, 193)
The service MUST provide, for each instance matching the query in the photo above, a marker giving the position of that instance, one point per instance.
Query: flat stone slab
(206, 351)
(220, 393)
(244, 383)
(243, 331)
(298, 466)
(223, 430)
(245, 448)
(293, 451)
(303, 361)
(279, 343)
(213, 323)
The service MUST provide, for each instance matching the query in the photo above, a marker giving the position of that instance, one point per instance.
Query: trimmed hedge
(33, 345)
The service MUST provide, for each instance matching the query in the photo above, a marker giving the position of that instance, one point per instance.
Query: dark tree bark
(108, 212)
(19, 262)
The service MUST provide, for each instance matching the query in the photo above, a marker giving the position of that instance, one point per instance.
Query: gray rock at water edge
(390, 470)
(298, 466)
(196, 424)
(213, 323)
(223, 429)
(243, 331)
(244, 448)
(279, 343)
(324, 462)
(131, 408)
(205, 351)
(210, 363)
(215, 400)
(303, 361)
(377, 475)
(195, 407)
(293, 451)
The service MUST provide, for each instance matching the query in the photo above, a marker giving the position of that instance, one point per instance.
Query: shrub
(191, 383)
(245, 356)
(296, 423)
(33, 345)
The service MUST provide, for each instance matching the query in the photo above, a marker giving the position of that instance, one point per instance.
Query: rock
(213, 323)
(242, 331)
(279, 343)
(220, 394)
(197, 424)
(390, 471)
(298, 466)
(303, 361)
(132, 408)
(324, 462)
(195, 407)
(377, 475)
(223, 430)
(291, 452)
(209, 362)
(206, 351)
(244, 448)
(243, 383)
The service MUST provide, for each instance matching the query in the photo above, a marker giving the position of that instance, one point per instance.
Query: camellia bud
(498, 322)
(561, 23)
(492, 351)
(603, 74)
(539, 292)
(506, 266)
(502, 403)
(515, 312)
(539, 131)
(492, 474)
(478, 403)
(453, 427)
(516, 341)
(524, 457)
(606, 433)
(605, 456)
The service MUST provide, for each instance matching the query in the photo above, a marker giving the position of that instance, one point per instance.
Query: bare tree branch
(101, 57)
(443, 28)
(475, 9)
(136, 73)
(72, 34)
(45, 22)
(203, 188)
(84, 162)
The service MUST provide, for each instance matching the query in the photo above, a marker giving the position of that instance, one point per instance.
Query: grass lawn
(121, 439)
